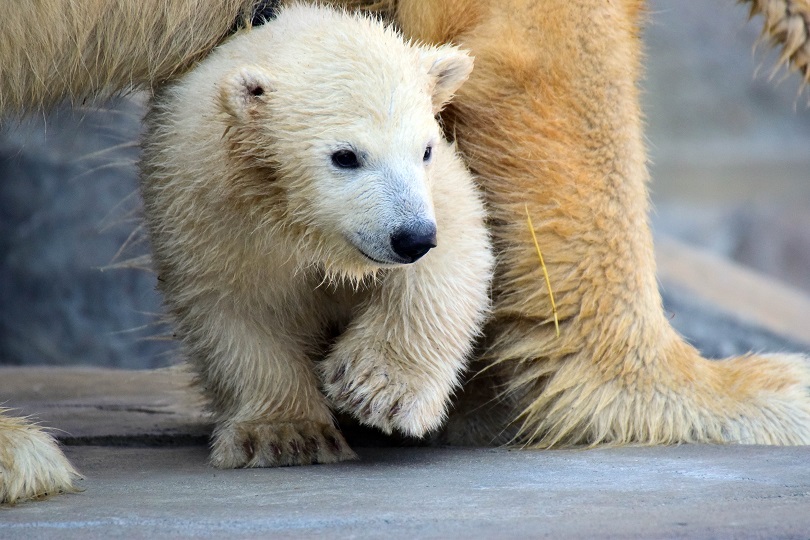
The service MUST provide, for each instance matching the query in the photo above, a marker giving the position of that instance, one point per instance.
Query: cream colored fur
(83, 49)
(550, 120)
(250, 222)
(31, 464)
(53, 49)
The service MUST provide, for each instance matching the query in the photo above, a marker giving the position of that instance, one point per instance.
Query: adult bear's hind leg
(549, 122)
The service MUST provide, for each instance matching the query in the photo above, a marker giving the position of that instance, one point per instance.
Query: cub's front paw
(383, 394)
(280, 444)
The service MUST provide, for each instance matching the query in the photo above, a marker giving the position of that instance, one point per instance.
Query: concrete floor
(675, 492)
(138, 437)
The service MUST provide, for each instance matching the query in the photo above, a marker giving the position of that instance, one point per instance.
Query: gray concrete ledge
(740, 293)
(675, 492)
(139, 440)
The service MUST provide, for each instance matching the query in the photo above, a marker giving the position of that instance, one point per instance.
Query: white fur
(263, 245)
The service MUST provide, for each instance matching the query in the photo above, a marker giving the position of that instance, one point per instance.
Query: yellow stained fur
(550, 120)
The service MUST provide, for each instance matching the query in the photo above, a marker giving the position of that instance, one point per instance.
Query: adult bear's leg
(550, 123)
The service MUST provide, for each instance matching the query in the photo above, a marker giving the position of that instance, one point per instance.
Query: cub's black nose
(413, 241)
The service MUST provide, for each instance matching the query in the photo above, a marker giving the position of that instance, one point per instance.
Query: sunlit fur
(51, 49)
(249, 218)
(550, 120)
(82, 49)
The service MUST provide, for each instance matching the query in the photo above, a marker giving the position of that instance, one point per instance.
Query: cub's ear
(448, 67)
(244, 91)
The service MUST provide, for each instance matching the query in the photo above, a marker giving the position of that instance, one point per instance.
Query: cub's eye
(428, 154)
(345, 159)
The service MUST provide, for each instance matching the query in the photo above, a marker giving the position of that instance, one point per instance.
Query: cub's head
(341, 114)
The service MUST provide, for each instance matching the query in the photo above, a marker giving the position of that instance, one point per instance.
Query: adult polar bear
(550, 123)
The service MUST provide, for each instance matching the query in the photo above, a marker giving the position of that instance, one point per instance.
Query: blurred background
(729, 145)
(730, 161)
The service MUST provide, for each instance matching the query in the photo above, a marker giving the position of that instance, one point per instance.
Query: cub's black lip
(369, 257)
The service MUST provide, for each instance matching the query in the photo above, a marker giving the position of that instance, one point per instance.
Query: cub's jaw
(379, 255)
(403, 248)
(394, 261)
(378, 261)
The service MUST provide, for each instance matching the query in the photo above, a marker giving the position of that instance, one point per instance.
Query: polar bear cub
(318, 243)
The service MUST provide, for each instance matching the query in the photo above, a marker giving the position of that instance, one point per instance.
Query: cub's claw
(278, 444)
(384, 395)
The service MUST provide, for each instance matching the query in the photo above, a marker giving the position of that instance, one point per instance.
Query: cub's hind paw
(278, 444)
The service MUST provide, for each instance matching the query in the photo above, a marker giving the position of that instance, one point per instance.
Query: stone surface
(675, 492)
(710, 100)
(138, 437)
(106, 406)
(68, 204)
(769, 236)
